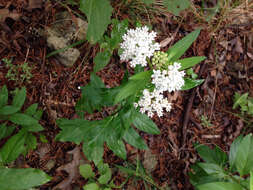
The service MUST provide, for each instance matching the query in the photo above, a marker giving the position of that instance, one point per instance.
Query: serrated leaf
(244, 161)
(94, 153)
(23, 119)
(91, 186)
(144, 123)
(178, 49)
(214, 156)
(135, 84)
(190, 62)
(233, 151)
(19, 98)
(220, 186)
(98, 13)
(86, 171)
(31, 110)
(13, 147)
(133, 138)
(118, 147)
(5, 131)
(3, 96)
(191, 83)
(8, 110)
(22, 179)
(176, 6)
(101, 60)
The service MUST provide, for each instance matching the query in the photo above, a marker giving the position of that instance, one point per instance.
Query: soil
(228, 68)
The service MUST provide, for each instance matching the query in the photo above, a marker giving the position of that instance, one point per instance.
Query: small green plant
(244, 102)
(205, 121)
(20, 143)
(103, 182)
(222, 171)
(19, 73)
(137, 172)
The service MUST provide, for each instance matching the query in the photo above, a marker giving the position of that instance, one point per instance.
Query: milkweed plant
(141, 95)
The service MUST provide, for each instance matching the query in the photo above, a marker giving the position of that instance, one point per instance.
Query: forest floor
(203, 114)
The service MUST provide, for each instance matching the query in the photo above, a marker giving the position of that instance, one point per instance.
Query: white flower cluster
(138, 45)
(152, 102)
(168, 80)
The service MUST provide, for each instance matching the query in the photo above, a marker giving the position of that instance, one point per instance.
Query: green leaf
(220, 186)
(31, 110)
(30, 142)
(34, 127)
(23, 119)
(215, 156)
(176, 6)
(21, 179)
(244, 156)
(233, 151)
(8, 110)
(133, 138)
(86, 171)
(5, 131)
(190, 62)
(98, 13)
(3, 96)
(19, 98)
(251, 180)
(240, 100)
(178, 49)
(13, 147)
(105, 173)
(135, 84)
(126, 170)
(213, 169)
(91, 186)
(101, 60)
(117, 146)
(191, 83)
(144, 123)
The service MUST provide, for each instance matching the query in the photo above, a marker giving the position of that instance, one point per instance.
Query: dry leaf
(5, 13)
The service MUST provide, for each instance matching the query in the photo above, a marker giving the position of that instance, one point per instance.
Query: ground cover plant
(136, 94)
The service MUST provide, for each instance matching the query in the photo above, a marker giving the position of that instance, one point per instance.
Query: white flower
(138, 45)
(153, 102)
(168, 80)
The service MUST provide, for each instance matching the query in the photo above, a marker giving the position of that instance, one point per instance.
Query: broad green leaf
(135, 84)
(233, 151)
(117, 146)
(220, 186)
(144, 123)
(8, 110)
(19, 98)
(13, 147)
(23, 119)
(5, 131)
(244, 156)
(191, 83)
(34, 127)
(133, 138)
(31, 110)
(215, 156)
(101, 60)
(105, 173)
(3, 96)
(86, 171)
(178, 49)
(98, 13)
(22, 179)
(94, 153)
(30, 142)
(251, 180)
(190, 62)
(127, 115)
(176, 6)
(213, 169)
(91, 186)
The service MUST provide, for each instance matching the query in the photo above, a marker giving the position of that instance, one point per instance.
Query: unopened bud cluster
(159, 59)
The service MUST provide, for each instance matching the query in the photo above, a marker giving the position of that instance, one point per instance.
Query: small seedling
(205, 121)
(244, 102)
